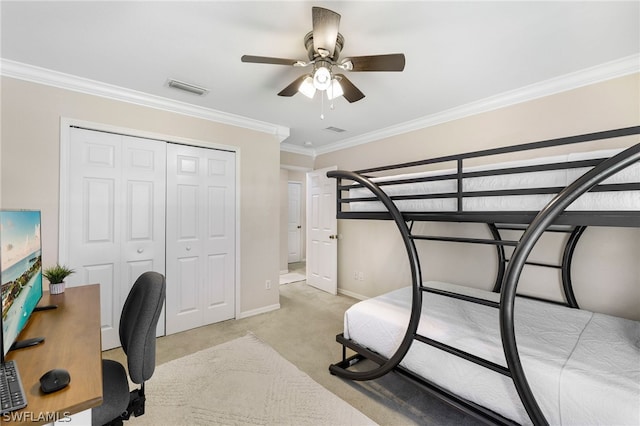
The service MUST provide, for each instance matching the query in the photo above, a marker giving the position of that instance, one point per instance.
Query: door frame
(300, 201)
(63, 219)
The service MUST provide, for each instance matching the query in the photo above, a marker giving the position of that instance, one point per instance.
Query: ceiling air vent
(187, 87)
(335, 129)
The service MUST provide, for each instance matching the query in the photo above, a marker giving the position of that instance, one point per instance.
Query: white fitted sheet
(583, 367)
(619, 200)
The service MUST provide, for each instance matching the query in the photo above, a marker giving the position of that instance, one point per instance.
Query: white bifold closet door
(116, 217)
(133, 205)
(200, 236)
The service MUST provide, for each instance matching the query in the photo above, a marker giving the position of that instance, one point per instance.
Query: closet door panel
(95, 196)
(144, 168)
(201, 228)
(116, 214)
(220, 236)
(188, 291)
(104, 274)
(216, 295)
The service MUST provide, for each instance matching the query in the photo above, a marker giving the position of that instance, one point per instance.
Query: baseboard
(352, 294)
(258, 311)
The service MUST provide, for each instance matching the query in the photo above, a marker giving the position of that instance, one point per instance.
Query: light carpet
(241, 382)
(291, 277)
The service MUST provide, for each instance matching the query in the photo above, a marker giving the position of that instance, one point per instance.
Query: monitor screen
(21, 270)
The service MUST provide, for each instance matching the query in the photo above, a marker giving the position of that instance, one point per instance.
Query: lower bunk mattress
(583, 367)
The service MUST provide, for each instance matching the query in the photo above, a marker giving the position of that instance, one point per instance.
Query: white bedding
(620, 200)
(583, 367)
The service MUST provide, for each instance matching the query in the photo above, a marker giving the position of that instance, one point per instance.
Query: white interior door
(115, 209)
(294, 225)
(322, 235)
(200, 236)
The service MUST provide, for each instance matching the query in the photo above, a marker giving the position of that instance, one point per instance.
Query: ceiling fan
(324, 44)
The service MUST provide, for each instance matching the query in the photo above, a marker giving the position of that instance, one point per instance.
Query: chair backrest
(138, 323)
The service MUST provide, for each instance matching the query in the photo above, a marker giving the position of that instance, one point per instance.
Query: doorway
(294, 222)
(297, 272)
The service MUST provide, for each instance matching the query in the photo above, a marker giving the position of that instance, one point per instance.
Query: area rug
(292, 277)
(241, 382)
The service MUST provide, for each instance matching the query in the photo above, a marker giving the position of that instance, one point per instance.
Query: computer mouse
(54, 380)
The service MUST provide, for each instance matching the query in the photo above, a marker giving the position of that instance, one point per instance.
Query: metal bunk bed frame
(533, 225)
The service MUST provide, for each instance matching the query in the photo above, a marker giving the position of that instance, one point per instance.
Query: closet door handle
(140, 250)
(188, 248)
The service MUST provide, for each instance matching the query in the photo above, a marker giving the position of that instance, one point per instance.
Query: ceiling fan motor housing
(312, 54)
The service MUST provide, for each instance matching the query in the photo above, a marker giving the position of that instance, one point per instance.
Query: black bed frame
(552, 218)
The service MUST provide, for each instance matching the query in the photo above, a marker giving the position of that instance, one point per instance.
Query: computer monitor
(20, 272)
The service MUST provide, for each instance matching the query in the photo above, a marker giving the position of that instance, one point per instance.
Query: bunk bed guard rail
(538, 222)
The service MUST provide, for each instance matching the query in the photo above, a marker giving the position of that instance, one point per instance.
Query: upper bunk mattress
(583, 367)
(593, 201)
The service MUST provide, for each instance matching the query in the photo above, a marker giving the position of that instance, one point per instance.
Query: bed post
(528, 240)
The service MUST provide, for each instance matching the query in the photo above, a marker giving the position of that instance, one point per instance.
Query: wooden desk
(73, 342)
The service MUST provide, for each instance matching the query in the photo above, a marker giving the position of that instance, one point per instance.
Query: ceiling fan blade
(292, 89)
(351, 92)
(268, 60)
(325, 30)
(391, 62)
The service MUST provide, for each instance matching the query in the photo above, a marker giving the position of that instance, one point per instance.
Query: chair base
(136, 407)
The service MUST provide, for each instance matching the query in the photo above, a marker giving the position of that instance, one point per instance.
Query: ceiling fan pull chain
(321, 106)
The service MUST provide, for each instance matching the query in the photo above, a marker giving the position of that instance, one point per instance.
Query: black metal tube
(464, 297)
(466, 240)
(465, 355)
(416, 277)
(501, 257)
(528, 240)
(567, 258)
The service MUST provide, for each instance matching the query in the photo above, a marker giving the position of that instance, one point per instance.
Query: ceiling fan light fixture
(334, 90)
(307, 87)
(322, 78)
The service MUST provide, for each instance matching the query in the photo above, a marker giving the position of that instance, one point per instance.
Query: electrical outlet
(267, 284)
(358, 276)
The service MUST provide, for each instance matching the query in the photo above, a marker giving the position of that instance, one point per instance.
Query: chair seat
(115, 393)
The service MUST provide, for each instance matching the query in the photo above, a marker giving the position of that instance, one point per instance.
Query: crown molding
(607, 71)
(295, 149)
(74, 83)
(296, 168)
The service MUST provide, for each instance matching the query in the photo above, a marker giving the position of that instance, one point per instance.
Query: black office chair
(138, 322)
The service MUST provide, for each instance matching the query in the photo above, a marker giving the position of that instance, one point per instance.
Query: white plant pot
(56, 288)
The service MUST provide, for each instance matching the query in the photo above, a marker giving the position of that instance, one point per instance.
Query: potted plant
(56, 275)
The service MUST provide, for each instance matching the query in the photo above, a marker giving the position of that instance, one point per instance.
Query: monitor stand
(44, 308)
(20, 344)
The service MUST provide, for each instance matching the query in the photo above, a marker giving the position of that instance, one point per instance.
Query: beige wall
(606, 271)
(29, 173)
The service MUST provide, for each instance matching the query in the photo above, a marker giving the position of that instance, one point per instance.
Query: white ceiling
(457, 53)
